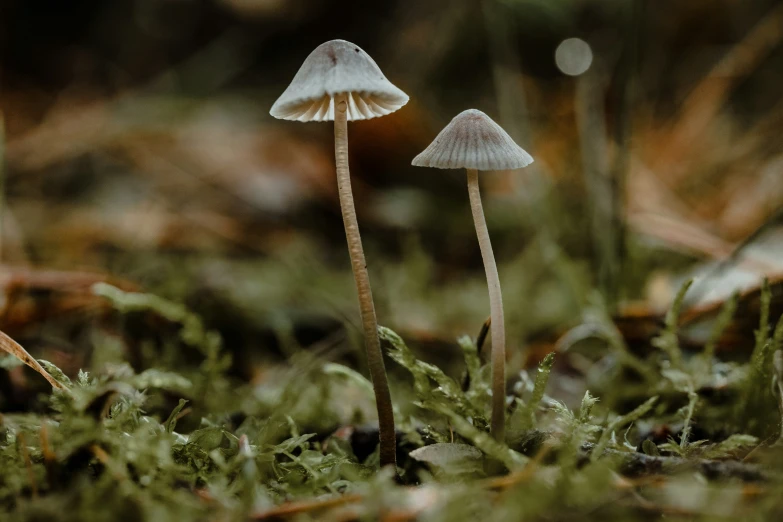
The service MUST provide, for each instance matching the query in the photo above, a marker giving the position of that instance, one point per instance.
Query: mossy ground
(663, 433)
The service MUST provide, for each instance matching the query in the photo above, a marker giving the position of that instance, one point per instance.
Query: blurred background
(138, 149)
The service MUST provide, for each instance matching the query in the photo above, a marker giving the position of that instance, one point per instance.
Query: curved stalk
(388, 451)
(498, 329)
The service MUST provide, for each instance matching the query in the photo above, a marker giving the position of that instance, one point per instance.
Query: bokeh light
(573, 56)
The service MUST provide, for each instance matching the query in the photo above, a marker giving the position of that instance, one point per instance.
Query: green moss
(185, 441)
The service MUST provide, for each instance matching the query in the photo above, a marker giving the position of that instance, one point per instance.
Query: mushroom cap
(338, 67)
(473, 141)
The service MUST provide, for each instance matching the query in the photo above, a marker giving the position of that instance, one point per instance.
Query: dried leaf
(12, 347)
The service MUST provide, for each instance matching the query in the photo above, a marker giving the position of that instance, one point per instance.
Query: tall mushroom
(474, 142)
(340, 82)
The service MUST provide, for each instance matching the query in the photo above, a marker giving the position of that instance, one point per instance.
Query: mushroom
(340, 82)
(474, 142)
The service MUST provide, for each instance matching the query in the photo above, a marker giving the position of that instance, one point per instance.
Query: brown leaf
(12, 347)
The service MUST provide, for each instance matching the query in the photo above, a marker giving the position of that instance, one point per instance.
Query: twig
(473, 360)
(637, 464)
(482, 336)
(294, 508)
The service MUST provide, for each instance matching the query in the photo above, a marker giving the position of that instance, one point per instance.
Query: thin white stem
(388, 451)
(498, 329)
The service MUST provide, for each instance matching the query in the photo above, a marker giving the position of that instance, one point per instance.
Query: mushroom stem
(498, 329)
(386, 434)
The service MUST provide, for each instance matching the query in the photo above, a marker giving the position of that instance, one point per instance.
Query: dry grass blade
(296, 508)
(708, 96)
(678, 233)
(12, 347)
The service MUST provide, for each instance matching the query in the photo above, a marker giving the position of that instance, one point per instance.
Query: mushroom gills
(361, 106)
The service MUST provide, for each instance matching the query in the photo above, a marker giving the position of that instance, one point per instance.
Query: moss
(186, 441)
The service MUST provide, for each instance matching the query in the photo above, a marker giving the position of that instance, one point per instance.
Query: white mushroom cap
(473, 141)
(338, 67)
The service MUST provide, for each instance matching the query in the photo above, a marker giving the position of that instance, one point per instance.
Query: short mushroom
(340, 82)
(474, 142)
